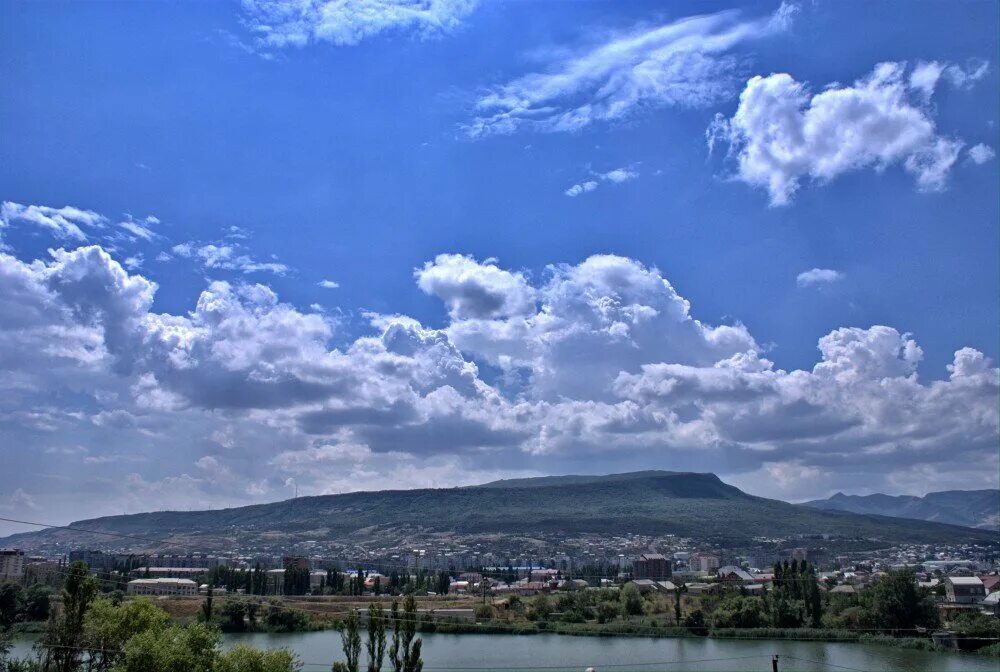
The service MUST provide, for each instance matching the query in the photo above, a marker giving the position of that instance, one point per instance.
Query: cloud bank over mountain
(599, 364)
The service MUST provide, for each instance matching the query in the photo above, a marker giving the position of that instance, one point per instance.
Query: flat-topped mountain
(697, 505)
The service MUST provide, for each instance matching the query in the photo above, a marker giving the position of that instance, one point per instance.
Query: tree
(376, 637)
(251, 609)
(37, 602)
(695, 622)
(108, 627)
(243, 658)
(193, 648)
(234, 614)
(405, 651)
(351, 641)
(11, 603)
(607, 611)
(974, 624)
(443, 583)
(815, 603)
(397, 636)
(540, 608)
(739, 612)
(632, 600)
(64, 638)
(206, 606)
(283, 619)
(895, 602)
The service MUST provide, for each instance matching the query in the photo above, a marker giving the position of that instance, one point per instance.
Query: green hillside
(684, 504)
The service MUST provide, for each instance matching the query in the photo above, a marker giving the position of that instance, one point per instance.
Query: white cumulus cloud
(783, 133)
(818, 276)
(475, 290)
(981, 153)
(600, 362)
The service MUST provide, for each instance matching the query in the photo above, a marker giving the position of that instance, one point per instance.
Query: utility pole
(774, 663)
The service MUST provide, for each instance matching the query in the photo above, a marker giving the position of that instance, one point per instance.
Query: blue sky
(356, 148)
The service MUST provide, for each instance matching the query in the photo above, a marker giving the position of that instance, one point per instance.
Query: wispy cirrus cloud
(616, 176)
(277, 24)
(65, 223)
(140, 228)
(690, 62)
(227, 256)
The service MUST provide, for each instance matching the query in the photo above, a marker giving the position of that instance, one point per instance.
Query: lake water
(558, 653)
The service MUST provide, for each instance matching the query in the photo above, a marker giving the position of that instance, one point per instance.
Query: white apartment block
(162, 587)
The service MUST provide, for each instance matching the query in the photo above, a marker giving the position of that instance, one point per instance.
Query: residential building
(703, 562)
(964, 589)
(762, 560)
(542, 574)
(991, 604)
(374, 577)
(703, 588)
(168, 572)
(45, 572)
(98, 561)
(190, 560)
(731, 574)
(651, 566)
(991, 582)
(11, 564)
(275, 581)
(296, 561)
(162, 587)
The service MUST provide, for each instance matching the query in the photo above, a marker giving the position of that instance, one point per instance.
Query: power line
(823, 662)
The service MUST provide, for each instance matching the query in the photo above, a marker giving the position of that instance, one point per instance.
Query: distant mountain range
(696, 505)
(971, 508)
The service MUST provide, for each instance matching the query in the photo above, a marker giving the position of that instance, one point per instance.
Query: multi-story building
(703, 562)
(191, 560)
(162, 587)
(294, 561)
(964, 589)
(168, 572)
(651, 566)
(45, 572)
(763, 560)
(11, 564)
(98, 561)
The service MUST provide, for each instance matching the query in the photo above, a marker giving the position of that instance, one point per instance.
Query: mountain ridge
(696, 505)
(970, 508)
